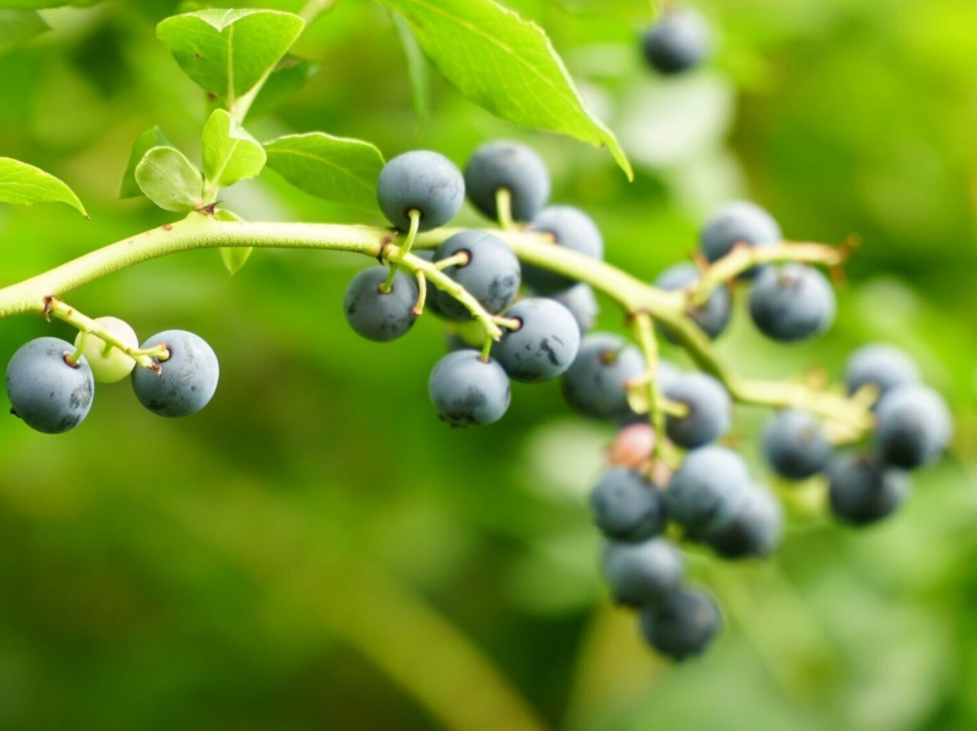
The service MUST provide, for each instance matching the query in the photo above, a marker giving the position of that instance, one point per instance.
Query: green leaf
(233, 257)
(170, 180)
(332, 168)
(152, 137)
(636, 10)
(17, 26)
(25, 185)
(505, 64)
(32, 4)
(416, 68)
(290, 75)
(227, 52)
(229, 153)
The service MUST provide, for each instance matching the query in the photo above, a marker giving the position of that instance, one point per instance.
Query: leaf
(505, 64)
(170, 180)
(227, 52)
(152, 137)
(290, 75)
(416, 68)
(17, 26)
(25, 185)
(332, 168)
(233, 257)
(229, 153)
(636, 10)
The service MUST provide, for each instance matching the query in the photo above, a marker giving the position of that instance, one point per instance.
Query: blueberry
(713, 317)
(643, 574)
(627, 507)
(683, 625)
(883, 366)
(795, 445)
(571, 228)
(188, 377)
(47, 393)
(739, 222)
(545, 344)
(710, 410)
(595, 385)
(115, 365)
(376, 315)
(512, 166)
(703, 494)
(863, 491)
(792, 302)
(468, 391)
(755, 528)
(423, 181)
(679, 41)
(582, 303)
(914, 426)
(492, 274)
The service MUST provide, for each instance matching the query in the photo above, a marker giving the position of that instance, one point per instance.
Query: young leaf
(637, 10)
(416, 68)
(505, 64)
(233, 257)
(290, 75)
(17, 26)
(152, 137)
(170, 180)
(332, 168)
(227, 52)
(229, 153)
(25, 185)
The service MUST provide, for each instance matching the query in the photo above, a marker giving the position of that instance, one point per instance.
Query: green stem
(503, 205)
(644, 332)
(415, 224)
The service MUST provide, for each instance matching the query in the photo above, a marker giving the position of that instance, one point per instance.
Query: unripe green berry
(116, 365)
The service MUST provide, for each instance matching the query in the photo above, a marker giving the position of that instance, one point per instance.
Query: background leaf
(507, 65)
(17, 26)
(25, 185)
(638, 10)
(229, 153)
(170, 180)
(332, 168)
(290, 75)
(234, 257)
(417, 70)
(149, 139)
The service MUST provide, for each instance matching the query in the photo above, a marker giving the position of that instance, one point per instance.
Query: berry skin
(792, 302)
(376, 315)
(683, 625)
(571, 228)
(468, 391)
(710, 410)
(706, 489)
(188, 378)
(424, 181)
(115, 366)
(914, 426)
(863, 491)
(582, 303)
(755, 528)
(883, 366)
(512, 166)
(739, 222)
(795, 445)
(492, 274)
(679, 41)
(627, 507)
(713, 317)
(595, 385)
(545, 344)
(47, 393)
(643, 574)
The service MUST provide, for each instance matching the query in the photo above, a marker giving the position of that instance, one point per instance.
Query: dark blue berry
(713, 317)
(512, 166)
(740, 222)
(46, 392)
(703, 494)
(570, 228)
(679, 41)
(709, 410)
(468, 391)
(424, 181)
(795, 445)
(627, 507)
(545, 344)
(754, 529)
(914, 426)
(596, 384)
(582, 303)
(643, 574)
(792, 302)
(862, 490)
(187, 379)
(884, 366)
(377, 315)
(683, 625)
(492, 274)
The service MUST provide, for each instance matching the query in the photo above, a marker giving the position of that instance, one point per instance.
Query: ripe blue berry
(188, 377)
(795, 445)
(424, 181)
(512, 166)
(914, 426)
(863, 491)
(627, 507)
(47, 393)
(710, 410)
(571, 228)
(492, 274)
(643, 574)
(376, 315)
(545, 344)
(713, 317)
(703, 494)
(679, 41)
(596, 384)
(884, 366)
(468, 391)
(683, 625)
(755, 528)
(792, 302)
(582, 303)
(740, 222)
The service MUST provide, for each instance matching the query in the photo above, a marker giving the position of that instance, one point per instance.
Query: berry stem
(415, 223)
(79, 349)
(460, 259)
(421, 293)
(503, 204)
(644, 332)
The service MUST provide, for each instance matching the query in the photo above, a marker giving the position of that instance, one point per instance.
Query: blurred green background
(317, 551)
